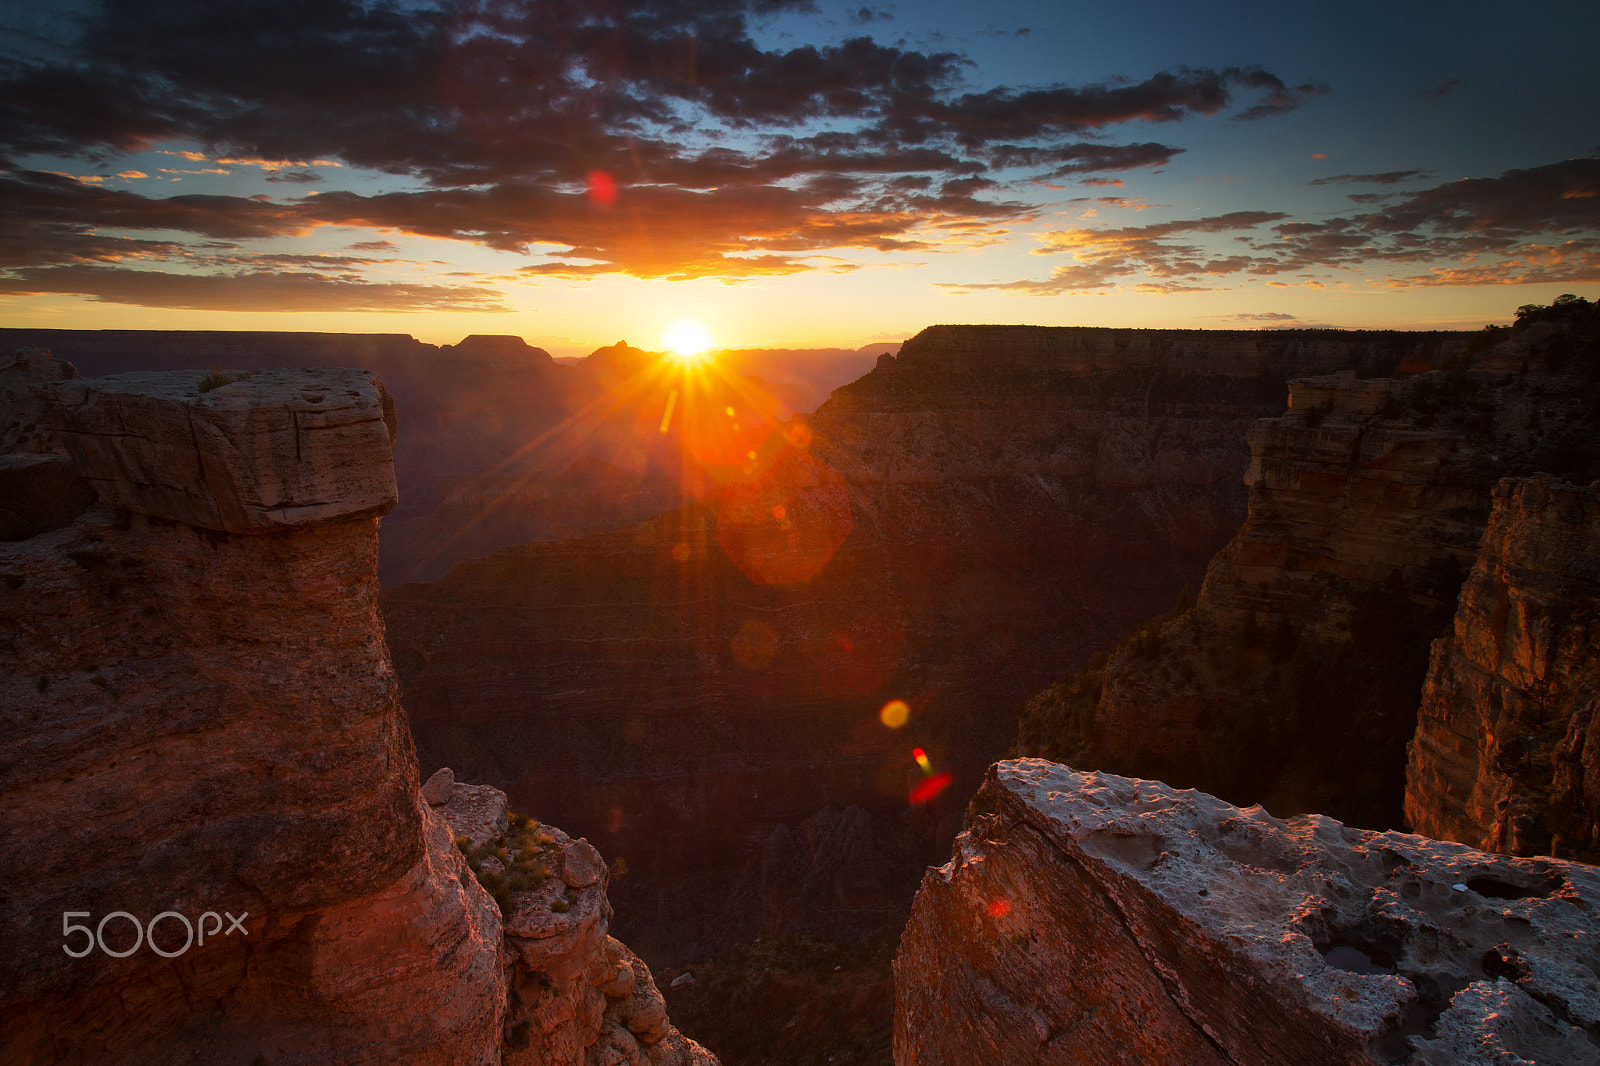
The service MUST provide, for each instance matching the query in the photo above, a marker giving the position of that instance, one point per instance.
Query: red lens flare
(930, 788)
(602, 188)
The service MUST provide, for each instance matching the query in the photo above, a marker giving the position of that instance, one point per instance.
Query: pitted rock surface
(269, 451)
(1095, 918)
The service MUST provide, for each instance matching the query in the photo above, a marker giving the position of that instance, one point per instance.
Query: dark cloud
(864, 16)
(257, 290)
(729, 157)
(1441, 89)
(1391, 177)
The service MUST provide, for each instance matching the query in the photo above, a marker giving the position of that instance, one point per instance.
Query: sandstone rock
(193, 721)
(1094, 918)
(581, 865)
(440, 787)
(39, 493)
(577, 997)
(24, 427)
(1507, 748)
(270, 450)
(477, 812)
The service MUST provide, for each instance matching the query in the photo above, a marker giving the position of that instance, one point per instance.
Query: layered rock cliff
(1503, 757)
(1016, 498)
(1295, 678)
(212, 842)
(1089, 918)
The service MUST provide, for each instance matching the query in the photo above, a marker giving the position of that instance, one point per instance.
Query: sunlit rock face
(1506, 754)
(576, 997)
(1008, 499)
(202, 721)
(1089, 918)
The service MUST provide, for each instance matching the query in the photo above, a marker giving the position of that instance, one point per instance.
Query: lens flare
(895, 714)
(930, 788)
(922, 760)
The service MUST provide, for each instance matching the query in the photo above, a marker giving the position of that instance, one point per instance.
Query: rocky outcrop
(1094, 918)
(1507, 748)
(577, 997)
(1007, 513)
(206, 776)
(1295, 678)
(202, 736)
(241, 453)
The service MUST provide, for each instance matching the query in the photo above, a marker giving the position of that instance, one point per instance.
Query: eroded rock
(578, 997)
(196, 722)
(1095, 918)
(246, 452)
(1507, 748)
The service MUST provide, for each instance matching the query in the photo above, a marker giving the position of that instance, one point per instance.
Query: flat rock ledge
(1094, 918)
(241, 452)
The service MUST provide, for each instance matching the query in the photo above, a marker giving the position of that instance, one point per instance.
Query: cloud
(1475, 231)
(731, 158)
(247, 291)
(1391, 177)
(1107, 257)
(1441, 89)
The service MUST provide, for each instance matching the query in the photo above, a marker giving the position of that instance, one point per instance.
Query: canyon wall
(1090, 918)
(1294, 679)
(1016, 497)
(1503, 757)
(213, 845)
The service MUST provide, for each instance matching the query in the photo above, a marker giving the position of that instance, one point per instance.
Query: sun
(687, 341)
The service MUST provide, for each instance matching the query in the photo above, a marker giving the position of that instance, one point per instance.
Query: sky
(791, 174)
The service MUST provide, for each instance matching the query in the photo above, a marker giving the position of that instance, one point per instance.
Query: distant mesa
(501, 348)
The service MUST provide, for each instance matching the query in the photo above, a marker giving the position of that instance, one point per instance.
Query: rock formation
(1088, 918)
(1017, 498)
(1507, 749)
(214, 847)
(577, 997)
(1295, 679)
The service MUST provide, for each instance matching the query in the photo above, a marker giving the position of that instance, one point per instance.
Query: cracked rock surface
(1096, 918)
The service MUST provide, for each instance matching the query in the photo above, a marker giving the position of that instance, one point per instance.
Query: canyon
(1017, 497)
(699, 693)
(1295, 678)
(502, 443)
(201, 722)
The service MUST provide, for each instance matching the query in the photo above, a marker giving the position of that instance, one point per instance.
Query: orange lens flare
(930, 788)
(895, 714)
(922, 760)
(1000, 908)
